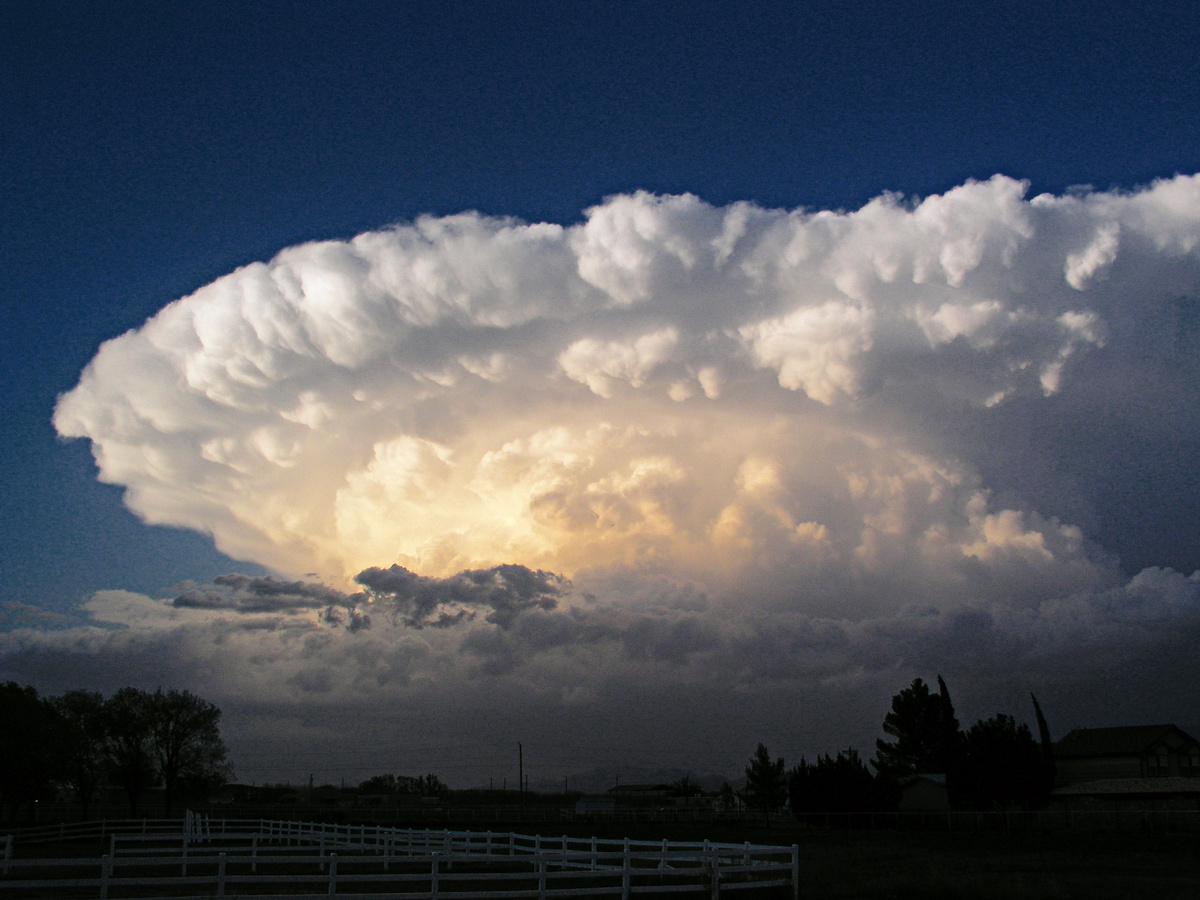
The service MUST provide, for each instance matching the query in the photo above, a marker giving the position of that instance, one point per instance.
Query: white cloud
(725, 461)
(788, 408)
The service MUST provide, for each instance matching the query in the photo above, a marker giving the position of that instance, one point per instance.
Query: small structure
(1145, 767)
(640, 794)
(924, 793)
(1132, 751)
(591, 805)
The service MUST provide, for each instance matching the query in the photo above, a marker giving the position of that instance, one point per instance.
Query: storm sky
(728, 451)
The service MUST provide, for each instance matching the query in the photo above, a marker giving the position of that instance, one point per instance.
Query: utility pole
(520, 779)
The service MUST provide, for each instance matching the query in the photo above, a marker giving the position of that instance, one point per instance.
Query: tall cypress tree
(1049, 771)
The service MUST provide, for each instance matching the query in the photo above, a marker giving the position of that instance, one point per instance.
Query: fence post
(332, 874)
(183, 855)
(254, 854)
(715, 862)
(322, 853)
(433, 877)
(662, 863)
(221, 875)
(795, 872)
(541, 869)
(112, 844)
(746, 858)
(595, 859)
(625, 872)
(105, 870)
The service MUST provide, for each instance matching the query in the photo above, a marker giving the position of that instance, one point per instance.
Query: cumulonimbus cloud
(730, 464)
(734, 396)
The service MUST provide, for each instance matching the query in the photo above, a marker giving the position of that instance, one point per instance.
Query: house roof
(1173, 785)
(1126, 740)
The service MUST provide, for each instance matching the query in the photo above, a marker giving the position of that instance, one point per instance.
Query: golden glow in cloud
(727, 395)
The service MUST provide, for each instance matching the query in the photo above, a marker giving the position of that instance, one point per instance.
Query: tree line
(134, 740)
(995, 764)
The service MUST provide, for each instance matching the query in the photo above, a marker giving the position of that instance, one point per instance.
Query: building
(924, 793)
(1131, 767)
(1132, 751)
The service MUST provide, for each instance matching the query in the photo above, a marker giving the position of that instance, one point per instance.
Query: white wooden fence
(307, 859)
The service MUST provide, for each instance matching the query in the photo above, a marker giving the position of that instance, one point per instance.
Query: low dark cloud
(500, 594)
(261, 594)
(700, 682)
(504, 591)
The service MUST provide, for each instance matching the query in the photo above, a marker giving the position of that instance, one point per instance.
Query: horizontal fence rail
(309, 859)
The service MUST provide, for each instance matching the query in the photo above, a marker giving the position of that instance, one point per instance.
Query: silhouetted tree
(185, 742)
(842, 783)
(30, 746)
(1049, 770)
(926, 732)
(128, 717)
(380, 784)
(430, 786)
(1001, 765)
(766, 786)
(83, 743)
(726, 798)
(424, 785)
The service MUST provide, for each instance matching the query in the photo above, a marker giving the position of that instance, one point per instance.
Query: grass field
(897, 865)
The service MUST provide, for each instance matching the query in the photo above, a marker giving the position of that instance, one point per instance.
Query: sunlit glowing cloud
(725, 396)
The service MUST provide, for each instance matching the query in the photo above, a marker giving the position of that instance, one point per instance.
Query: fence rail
(257, 858)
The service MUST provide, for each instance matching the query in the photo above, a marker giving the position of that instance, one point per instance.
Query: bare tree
(185, 741)
(127, 727)
(83, 759)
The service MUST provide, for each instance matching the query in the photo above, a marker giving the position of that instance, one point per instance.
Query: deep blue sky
(148, 148)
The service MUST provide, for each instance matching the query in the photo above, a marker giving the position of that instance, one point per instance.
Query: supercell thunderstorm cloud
(731, 455)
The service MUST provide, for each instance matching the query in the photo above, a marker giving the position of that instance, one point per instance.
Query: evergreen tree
(766, 786)
(926, 733)
(841, 784)
(1001, 765)
(1049, 772)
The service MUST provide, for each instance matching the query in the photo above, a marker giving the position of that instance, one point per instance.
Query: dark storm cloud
(504, 591)
(257, 594)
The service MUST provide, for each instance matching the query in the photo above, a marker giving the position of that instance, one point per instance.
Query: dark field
(898, 865)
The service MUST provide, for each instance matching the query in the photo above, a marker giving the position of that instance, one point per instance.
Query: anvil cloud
(670, 436)
(665, 381)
